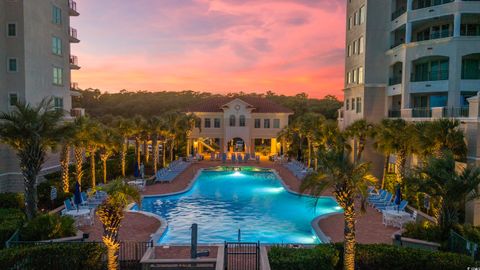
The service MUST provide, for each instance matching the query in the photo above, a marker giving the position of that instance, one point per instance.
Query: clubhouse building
(238, 125)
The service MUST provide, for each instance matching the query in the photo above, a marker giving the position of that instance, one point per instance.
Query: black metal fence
(458, 244)
(242, 256)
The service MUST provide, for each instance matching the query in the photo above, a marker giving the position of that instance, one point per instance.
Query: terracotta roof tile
(261, 105)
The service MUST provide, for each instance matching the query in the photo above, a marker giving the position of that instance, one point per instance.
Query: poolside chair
(240, 158)
(68, 205)
(234, 158)
(387, 199)
(224, 157)
(392, 206)
(378, 198)
(247, 157)
(381, 194)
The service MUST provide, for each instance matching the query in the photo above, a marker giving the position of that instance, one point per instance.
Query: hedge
(10, 221)
(71, 256)
(371, 257)
(323, 257)
(48, 226)
(12, 200)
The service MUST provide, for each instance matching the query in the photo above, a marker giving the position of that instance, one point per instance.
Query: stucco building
(244, 124)
(35, 63)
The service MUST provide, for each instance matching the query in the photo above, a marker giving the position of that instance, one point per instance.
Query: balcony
(72, 5)
(394, 113)
(461, 112)
(73, 37)
(435, 35)
(399, 12)
(395, 80)
(74, 86)
(422, 112)
(419, 4)
(74, 62)
(441, 75)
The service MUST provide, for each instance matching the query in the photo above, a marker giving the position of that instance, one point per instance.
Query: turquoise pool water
(222, 202)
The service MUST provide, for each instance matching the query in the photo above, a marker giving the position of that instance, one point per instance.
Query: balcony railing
(421, 112)
(73, 86)
(74, 62)
(73, 8)
(73, 35)
(430, 76)
(395, 80)
(394, 113)
(430, 3)
(397, 43)
(399, 12)
(462, 112)
(436, 35)
(471, 75)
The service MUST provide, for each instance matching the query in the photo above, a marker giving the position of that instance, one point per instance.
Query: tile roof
(260, 105)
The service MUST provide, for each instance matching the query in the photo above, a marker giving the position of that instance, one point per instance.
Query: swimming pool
(223, 201)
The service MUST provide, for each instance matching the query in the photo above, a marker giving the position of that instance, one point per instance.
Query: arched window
(232, 120)
(242, 120)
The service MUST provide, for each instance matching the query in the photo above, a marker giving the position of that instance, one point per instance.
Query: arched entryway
(236, 145)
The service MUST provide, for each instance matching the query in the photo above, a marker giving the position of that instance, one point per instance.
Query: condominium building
(238, 125)
(35, 63)
(414, 59)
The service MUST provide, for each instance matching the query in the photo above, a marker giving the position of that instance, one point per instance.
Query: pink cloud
(218, 46)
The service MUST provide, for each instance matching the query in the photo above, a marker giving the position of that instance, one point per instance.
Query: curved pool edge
(314, 223)
(160, 232)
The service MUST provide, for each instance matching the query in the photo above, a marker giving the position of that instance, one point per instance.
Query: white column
(408, 32)
(456, 24)
(409, 5)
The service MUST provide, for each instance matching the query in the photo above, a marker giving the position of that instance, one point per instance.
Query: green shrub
(468, 231)
(43, 191)
(424, 231)
(371, 257)
(45, 227)
(71, 256)
(323, 257)
(12, 200)
(10, 221)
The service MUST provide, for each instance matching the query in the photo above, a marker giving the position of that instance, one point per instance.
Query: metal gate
(131, 253)
(242, 256)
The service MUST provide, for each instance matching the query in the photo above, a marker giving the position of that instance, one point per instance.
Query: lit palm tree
(80, 140)
(138, 126)
(156, 126)
(94, 139)
(440, 178)
(360, 131)
(446, 137)
(124, 128)
(110, 141)
(31, 131)
(66, 142)
(287, 136)
(348, 180)
(111, 214)
(310, 124)
(383, 143)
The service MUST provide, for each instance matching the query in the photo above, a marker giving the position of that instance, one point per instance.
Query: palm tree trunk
(309, 145)
(65, 163)
(104, 163)
(349, 238)
(31, 160)
(78, 164)
(155, 144)
(171, 150)
(137, 149)
(145, 150)
(164, 149)
(400, 164)
(92, 167)
(123, 154)
(385, 170)
(361, 148)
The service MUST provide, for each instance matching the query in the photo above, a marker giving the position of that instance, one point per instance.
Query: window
(357, 18)
(12, 65)
(359, 105)
(257, 123)
(242, 121)
(276, 123)
(362, 14)
(207, 123)
(216, 123)
(266, 123)
(350, 23)
(56, 15)
(360, 75)
(12, 29)
(198, 123)
(354, 47)
(355, 76)
(12, 99)
(361, 45)
(349, 51)
(57, 76)
(58, 103)
(349, 77)
(232, 120)
(347, 104)
(353, 104)
(56, 46)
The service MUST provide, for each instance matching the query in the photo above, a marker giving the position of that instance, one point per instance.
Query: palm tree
(383, 143)
(138, 126)
(348, 180)
(446, 136)
(31, 131)
(440, 179)
(67, 141)
(360, 130)
(124, 128)
(94, 139)
(109, 143)
(156, 126)
(111, 214)
(310, 124)
(287, 136)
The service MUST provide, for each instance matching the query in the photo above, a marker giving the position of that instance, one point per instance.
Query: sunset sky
(221, 46)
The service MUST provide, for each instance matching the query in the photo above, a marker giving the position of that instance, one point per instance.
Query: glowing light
(272, 190)
(237, 174)
(338, 208)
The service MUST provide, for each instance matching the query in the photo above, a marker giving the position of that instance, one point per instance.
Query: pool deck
(138, 228)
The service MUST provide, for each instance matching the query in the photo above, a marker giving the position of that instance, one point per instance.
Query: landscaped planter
(398, 240)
